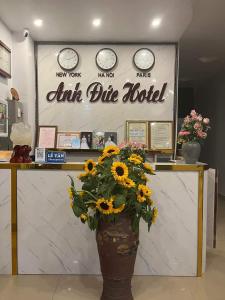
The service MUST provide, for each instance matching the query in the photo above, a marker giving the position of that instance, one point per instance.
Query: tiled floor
(210, 287)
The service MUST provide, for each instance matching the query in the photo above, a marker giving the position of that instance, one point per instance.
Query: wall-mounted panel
(151, 99)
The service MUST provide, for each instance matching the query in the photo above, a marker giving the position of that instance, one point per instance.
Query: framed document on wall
(5, 60)
(161, 135)
(47, 136)
(68, 140)
(137, 131)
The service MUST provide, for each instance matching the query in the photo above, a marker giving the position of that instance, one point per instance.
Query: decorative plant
(115, 184)
(194, 128)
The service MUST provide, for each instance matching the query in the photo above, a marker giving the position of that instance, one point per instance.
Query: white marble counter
(51, 240)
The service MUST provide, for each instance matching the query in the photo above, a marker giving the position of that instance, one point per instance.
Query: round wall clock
(106, 59)
(68, 59)
(144, 59)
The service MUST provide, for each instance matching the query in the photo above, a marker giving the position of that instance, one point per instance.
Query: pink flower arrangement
(183, 133)
(133, 145)
(194, 128)
(206, 121)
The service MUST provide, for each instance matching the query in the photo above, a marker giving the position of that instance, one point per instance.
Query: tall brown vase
(117, 247)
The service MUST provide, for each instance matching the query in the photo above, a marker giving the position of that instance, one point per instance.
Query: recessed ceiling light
(156, 22)
(96, 22)
(38, 22)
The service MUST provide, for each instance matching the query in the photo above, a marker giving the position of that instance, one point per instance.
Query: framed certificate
(68, 140)
(46, 136)
(40, 155)
(137, 131)
(161, 135)
(5, 60)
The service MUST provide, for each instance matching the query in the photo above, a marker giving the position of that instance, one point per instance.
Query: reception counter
(40, 235)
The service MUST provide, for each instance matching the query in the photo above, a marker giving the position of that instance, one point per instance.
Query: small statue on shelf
(21, 154)
(21, 138)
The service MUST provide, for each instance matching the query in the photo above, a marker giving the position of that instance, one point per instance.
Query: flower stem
(89, 194)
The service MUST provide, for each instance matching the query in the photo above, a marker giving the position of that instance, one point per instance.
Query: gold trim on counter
(79, 166)
(200, 222)
(66, 166)
(175, 167)
(14, 221)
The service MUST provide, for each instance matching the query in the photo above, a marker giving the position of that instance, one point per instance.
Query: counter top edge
(79, 166)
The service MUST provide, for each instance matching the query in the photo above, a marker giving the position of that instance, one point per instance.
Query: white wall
(5, 84)
(23, 80)
(210, 101)
(22, 70)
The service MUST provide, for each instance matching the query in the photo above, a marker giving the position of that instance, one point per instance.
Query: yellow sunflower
(104, 206)
(89, 166)
(136, 159)
(102, 158)
(146, 191)
(128, 183)
(119, 171)
(82, 175)
(83, 218)
(154, 214)
(150, 202)
(144, 177)
(111, 150)
(141, 197)
(70, 191)
(119, 209)
(148, 167)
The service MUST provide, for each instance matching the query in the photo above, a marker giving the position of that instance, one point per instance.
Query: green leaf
(135, 223)
(92, 222)
(72, 181)
(77, 211)
(138, 207)
(87, 186)
(80, 203)
(119, 201)
(149, 225)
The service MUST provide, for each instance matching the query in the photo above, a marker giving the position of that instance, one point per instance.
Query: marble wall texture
(86, 116)
(52, 241)
(5, 222)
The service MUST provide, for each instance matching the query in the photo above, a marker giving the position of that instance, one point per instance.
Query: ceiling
(122, 20)
(199, 26)
(202, 47)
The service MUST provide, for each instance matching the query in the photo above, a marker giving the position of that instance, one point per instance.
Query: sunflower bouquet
(116, 184)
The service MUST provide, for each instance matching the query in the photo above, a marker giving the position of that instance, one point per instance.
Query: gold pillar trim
(14, 221)
(200, 221)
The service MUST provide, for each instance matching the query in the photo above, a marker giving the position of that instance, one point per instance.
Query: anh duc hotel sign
(132, 93)
(106, 98)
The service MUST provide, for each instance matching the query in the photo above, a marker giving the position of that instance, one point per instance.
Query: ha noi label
(96, 92)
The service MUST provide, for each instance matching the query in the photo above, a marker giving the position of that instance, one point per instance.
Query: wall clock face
(106, 59)
(144, 59)
(68, 59)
